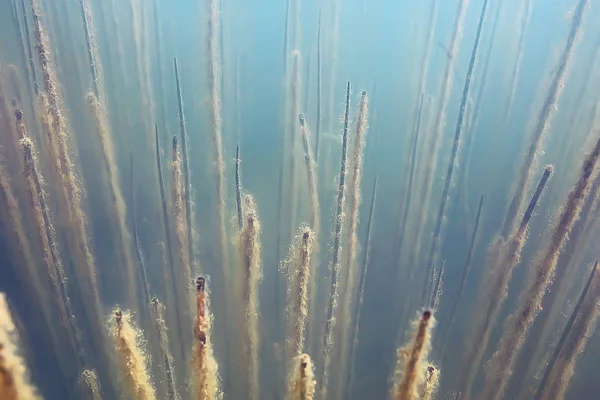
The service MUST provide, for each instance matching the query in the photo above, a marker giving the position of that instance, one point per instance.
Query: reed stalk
(332, 304)
(206, 379)
(131, 358)
(414, 358)
(433, 250)
(252, 272)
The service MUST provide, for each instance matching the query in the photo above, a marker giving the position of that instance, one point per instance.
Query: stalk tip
(200, 284)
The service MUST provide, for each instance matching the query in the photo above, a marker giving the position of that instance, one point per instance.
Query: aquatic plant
(435, 242)
(431, 382)
(214, 77)
(300, 277)
(354, 200)
(64, 186)
(187, 187)
(503, 257)
(514, 77)
(436, 290)
(472, 124)
(412, 360)
(89, 386)
(157, 311)
(560, 368)
(47, 237)
(91, 47)
(310, 174)
(24, 269)
(183, 274)
(332, 304)
(14, 379)
(302, 383)
(544, 117)
(502, 362)
(250, 249)
(238, 189)
(131, 357)
(206, 379)
(314, 216)
(564, 275)
(170, 268)
(55, 129)
(292, 128)
(436, 133)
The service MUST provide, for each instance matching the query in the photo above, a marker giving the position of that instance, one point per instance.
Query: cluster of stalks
(503, 258)
(46, 232)
(56, 134)
(50, 238)
(518, 323)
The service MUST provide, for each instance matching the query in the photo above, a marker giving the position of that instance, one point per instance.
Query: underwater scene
(299, 199)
